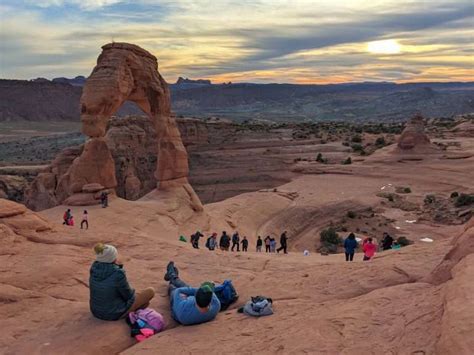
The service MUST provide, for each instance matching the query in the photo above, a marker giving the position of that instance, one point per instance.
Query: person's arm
(188, 291)
(123, 287)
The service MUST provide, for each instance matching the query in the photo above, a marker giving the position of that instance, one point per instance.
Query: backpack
(152, 319)
(226, 294)
(208, 242)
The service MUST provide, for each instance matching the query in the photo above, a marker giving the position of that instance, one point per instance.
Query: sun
(388, 46)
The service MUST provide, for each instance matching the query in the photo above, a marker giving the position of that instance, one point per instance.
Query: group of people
(225, 241)
(68, 219)
(112, 297)
(369, 246)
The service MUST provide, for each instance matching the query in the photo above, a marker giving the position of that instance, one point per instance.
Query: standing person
(387, 241)
(224, 242)
(211, 242)
(267, 244)
(195, 239)
(85, 220)
(369, 249)
(283, 243)
(273, 245)
(190, 305)
(104, 199)
(259, 244)
(235, 241)
(111, 296)
(67, 217)
(350, 245)
(245, 244)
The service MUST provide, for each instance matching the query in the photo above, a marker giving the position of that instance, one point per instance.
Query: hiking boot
(171, 271)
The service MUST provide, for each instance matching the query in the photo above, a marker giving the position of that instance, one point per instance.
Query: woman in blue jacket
(111, 297)
(350, 245)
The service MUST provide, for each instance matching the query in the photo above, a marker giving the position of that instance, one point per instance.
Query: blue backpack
(226, 294)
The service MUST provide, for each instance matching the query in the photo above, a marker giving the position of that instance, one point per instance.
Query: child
(85, 220)
(273, 245)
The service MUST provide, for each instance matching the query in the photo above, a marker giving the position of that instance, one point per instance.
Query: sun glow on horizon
(388, 46)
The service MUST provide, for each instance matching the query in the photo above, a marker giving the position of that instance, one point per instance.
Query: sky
(298, 41)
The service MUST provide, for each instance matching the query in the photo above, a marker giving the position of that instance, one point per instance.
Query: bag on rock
(226, 294)
(147, 318)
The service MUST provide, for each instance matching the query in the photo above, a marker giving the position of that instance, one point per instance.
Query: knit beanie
(105, 253)
(204, 296)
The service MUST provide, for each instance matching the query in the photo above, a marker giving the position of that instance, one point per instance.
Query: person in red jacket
(369, 249)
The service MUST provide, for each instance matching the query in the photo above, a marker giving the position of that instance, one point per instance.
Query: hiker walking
(283, 243)
(211, 242)
(267, 244)
(350, 245)
(235, 241)
(224, 242)
(259, 244)
(104, 199)
(195, 239)
(245, 244)
(85, 220)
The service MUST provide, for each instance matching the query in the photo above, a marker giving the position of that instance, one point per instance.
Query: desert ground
(417, 300)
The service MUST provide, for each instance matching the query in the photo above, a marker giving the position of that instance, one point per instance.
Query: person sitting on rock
(245, 244)
(190, 305)
(350, 245)
(387, 241)
(369, 249)
(111, 297)
(259, 244)
(235, 241)
(67, 217)
(224, 242)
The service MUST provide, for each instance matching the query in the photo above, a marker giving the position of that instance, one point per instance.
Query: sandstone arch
(127, 72)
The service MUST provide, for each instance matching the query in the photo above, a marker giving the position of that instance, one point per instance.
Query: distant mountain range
(58, 99)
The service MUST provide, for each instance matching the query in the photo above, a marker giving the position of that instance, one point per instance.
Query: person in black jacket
(259, 244)
(245, 244)
(387, 242)
(235, 241)
(111, 296)
(224, 242)
(283, 243)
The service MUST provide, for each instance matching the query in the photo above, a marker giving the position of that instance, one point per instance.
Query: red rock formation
(413, 135)
(123, 72)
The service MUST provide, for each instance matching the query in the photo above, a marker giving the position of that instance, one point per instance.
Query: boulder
(10, 208)
(93, 187)
(82, 199)
(414, 135)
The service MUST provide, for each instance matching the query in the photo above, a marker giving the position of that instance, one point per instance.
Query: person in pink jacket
(369, 249)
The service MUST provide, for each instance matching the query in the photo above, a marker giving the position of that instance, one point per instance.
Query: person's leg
(351, 256)
(284, 249)
(87, 224)
(347, 256)
(142, 299)
(82, 223)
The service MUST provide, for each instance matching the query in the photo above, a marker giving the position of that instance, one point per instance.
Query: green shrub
(351, 214)
(429, 199)
(454, 194)
(330, 236)
(464, 200)
(356, 139)
(320, 158)
(404, 241)
(390, 198)
(380, 142)
(407, 190)
(348, 161)
(357, 148)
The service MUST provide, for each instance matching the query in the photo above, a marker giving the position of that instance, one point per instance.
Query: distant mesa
(182, 81)
(77, 81)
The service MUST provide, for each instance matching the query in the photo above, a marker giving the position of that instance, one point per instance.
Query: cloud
(266, 40)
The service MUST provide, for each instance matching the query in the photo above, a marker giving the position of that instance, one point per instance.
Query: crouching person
(111, 297)
(190, 305)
